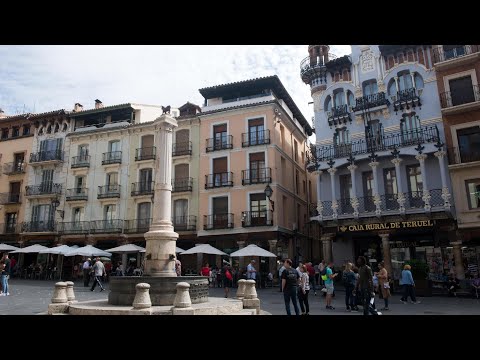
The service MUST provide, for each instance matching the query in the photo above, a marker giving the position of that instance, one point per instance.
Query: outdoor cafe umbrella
(252, 250)
(203, 249)
(59, 250)
(30, 249)
(177, 250)
(88, 250)
(128, 248)
(7, 248)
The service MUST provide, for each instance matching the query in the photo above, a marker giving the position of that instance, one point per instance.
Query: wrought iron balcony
(256, 138)
(13, 168)
(370, 101)
(106, 226)
(466, 95)
(344, 206)
(215, 144)
(383, 142)
(76, 194)
(339, 115)
(48, 188)
(315, 66)
(218, 221)
(312, 209)
(137, 226)
(462, 155)
(182, 148)
(257, 218)
(256, 176)
(182, 184)
(10, 228)
(53, 155)
(145, 153)
(114, 157)
(406, 99)
(440, 55)
(218, 180)
(80, 161)
(10, 198)
(39, 226)
(108, 191)
(143, 188)
(185, 223)
(73, 228)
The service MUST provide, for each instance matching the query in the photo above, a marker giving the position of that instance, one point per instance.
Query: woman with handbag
(383, 284)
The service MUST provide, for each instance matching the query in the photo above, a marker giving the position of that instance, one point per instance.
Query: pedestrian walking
(303, 290)
(280, 271)
(364, 283)
(408, 285)
(86, 267)
(349, 281)
(227, 278)
(383, 284)
(317, 275)
(5, 274)
(321, 267)
(289, 286)
(329, 285)
(251, 271)
(99, 271)
(311, 277)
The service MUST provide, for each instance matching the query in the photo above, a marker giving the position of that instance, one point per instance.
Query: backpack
(228, 275)
(323, 274)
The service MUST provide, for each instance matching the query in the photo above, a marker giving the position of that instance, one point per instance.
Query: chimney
(78, 107)
(98, 104)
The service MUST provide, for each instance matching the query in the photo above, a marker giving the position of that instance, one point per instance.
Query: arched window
(410, 127)
(392, 87)
(351, 98)
(49, 129)
(57, 128)
(338, 98)
(405, 80)
(418, 81)
(328, 103)
(370, 87)
(65, 127)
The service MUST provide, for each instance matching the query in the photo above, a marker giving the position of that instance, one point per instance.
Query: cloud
(43, 78)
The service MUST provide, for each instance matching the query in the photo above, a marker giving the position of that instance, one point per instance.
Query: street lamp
(268, 193)
(55, 204)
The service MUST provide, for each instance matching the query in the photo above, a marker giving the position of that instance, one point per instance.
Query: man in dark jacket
(364, 283)
(290, 286)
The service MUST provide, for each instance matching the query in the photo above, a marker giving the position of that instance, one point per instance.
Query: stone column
(273, 261)
(457, 255)
(400, 195)
(396, 83)
(327, 247)
(426, 194)
(161, 239)
(319, 193)
(387, 259)
(377, 200)
(354, 199)
(412, 74)
(443, 173)
(332, 172)
(379, 70)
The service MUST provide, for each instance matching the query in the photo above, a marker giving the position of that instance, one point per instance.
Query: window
(339, 98)
(405, 80)
(220, 211)
(282, 136)
(297, 182)
(299, 216)
(143, 211)
(14, 195)
(418, 81)
(181, 172)
(374, 135)
(310, 189)
(77, 215)
(258, 209)
(26, 130)
(145, 177)
(285, 212)
(220, 171)
(367, 179)
(392, 88)
(114, 146)
(42, 218)
(46, 185)
(180, 212)
(49, 149)
(182, 138)
(303, 157)
(390, 181)
(452, 51)
(80, 182)
(148, 140)
(257, 167)
(19, 162)
(328, 103)
(5, 133)
(461, 91)
(112, 181)
(351, 98)
(341, 142)
(473, 193)
(15, 131)
(415, 185)
(256, 133)
(370, 87)
(220, 136)
(10, 223)
(469, 144)
(109, 212)
(411, 128)
(346, 193)
(295, 150)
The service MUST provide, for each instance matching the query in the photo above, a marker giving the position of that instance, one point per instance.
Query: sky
(44, 78)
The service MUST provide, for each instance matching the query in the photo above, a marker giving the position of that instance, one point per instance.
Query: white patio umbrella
(177, 250)
(30, 249)
(203, 249)
(59, 250)
(252, 250)
(128, 248)
(7, 248)
(88, 250)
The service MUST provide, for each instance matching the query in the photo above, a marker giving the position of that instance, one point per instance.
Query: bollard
(60, 293)
(250, 291)
(142, 296)
(182, 298)
(70, 293)
(241, 288)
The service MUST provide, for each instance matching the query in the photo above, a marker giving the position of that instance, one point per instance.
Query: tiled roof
(102, 109)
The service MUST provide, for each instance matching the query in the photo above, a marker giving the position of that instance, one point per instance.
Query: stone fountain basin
(162, 289)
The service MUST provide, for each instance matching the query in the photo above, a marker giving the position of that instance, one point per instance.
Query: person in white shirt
(251, 271)
(86, 272)
(99, 272)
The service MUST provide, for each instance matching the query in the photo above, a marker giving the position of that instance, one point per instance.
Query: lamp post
(268, 193)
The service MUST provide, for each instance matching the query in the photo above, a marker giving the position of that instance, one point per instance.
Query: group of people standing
(96, 270)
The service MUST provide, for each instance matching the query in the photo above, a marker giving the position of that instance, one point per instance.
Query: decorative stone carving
(182, 298)
(386, 113)
(70, 293)
(440, 154)
(320, 209)
(446, 198)
(142, 296)
(401, 199)
(377, 200)
(367, 60)
(358, 119)
(358, 91)
(335, 209)
(426, 198)
(381, 85)
(355, 203)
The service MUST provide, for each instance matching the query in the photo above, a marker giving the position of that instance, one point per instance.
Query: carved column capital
(352, 167)
(396, 161)
(421, 157)
(440, 154)
(374, 164)
(332, 171)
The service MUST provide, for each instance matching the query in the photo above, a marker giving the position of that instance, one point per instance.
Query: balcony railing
(48, 188)
(76, 194)
(185, 223)
(338, 115)
(182, 184)
(344, 206)
(383, 142)
(145, 153)
(465, 95)
(389, 202)
(13, 168)
(108, 191)
(182, 148)
(53, 155)
(76, 227)
(440, 55)
(370, 101)
(218, 180)
(463, 154)
(256, 176)
(10, 198)
(414, 200)
(39, 226)
(257, 218)
(114, 157)
(254, 138)
(366, 204)
(218, 221)
(10, 228)
(310, 63)
(106, 226)
(137, 226)
(312, 210)
(143, 188)
(214, 144)
(80, 161)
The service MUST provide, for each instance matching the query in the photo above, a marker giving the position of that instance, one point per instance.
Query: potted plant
(420, 272)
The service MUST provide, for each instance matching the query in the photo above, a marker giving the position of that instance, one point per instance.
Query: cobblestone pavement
(29, 297)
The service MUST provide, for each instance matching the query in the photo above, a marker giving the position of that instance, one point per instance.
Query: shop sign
(386, 226)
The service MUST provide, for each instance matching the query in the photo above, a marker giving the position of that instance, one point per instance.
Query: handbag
(386, 285)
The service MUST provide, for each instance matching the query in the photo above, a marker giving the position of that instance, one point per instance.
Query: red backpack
(228, 275)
